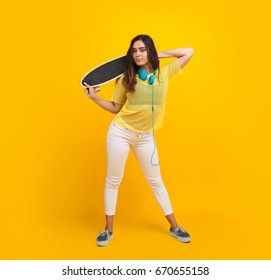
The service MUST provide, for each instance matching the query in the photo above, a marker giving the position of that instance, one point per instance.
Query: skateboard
(105, 72)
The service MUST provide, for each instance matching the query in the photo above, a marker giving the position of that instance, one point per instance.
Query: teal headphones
(143, 75)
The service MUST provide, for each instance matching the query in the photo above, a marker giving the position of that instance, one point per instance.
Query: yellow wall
(214, 147)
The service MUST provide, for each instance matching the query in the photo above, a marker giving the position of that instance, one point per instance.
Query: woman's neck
(147, 68)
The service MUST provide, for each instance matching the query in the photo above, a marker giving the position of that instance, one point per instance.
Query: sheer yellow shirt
(137, 113)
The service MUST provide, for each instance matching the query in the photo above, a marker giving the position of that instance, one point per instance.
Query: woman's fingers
(86, 85)
(88, 88)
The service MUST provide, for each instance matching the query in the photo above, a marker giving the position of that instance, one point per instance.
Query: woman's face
(140, 54)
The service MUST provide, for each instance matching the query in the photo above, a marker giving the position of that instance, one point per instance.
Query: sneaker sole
(181, 239)
(104, 243)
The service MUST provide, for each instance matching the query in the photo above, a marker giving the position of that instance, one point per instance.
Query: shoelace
(105, 233)
(179, 229)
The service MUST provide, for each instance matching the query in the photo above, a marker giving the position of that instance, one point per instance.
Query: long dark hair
(130, 68)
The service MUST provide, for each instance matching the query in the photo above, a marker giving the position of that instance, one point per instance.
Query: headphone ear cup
(151, 80)
(143, 75)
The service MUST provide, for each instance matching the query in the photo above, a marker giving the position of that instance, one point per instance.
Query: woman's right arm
(109, 106)
(183, 55)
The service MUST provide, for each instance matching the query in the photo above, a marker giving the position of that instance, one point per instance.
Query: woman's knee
(113, 182)
(155, 182)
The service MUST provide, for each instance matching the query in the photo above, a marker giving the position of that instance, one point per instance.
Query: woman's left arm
(183, 55)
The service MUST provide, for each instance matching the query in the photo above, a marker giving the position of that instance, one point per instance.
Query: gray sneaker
(104, 237)
(180, 234)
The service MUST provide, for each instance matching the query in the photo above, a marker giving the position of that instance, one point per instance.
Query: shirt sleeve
(172, 68)
(119, 95)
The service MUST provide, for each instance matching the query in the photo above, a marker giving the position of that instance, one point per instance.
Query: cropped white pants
(119, 141)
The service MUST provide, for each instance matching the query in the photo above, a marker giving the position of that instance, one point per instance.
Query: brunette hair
(130, 68)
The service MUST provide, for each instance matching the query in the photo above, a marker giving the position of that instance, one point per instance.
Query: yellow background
(214, 147)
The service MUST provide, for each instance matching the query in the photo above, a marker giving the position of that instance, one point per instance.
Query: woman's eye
(141, 50)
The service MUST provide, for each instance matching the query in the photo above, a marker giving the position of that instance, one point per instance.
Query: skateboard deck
(105, 72)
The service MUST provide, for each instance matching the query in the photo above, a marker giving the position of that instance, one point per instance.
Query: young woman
(139, 102)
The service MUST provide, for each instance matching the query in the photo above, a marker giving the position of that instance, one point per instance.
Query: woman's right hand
(91, 91)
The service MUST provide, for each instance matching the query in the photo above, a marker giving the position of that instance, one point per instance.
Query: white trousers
(119, 141)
